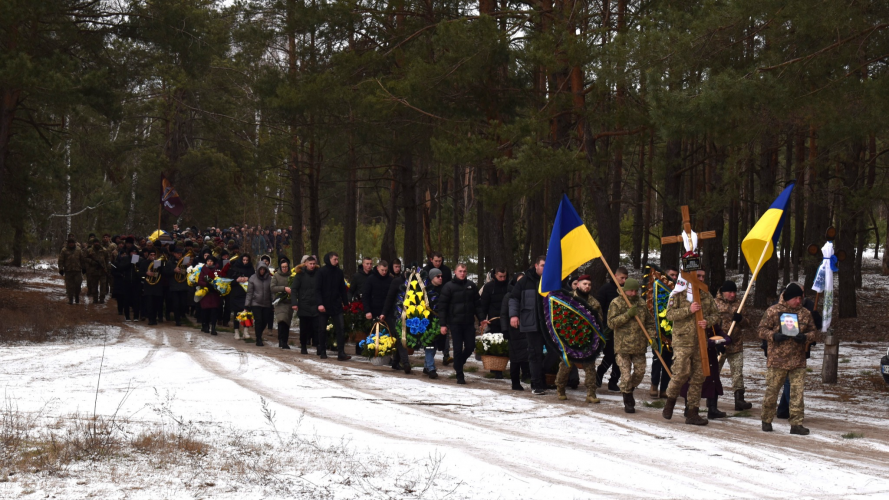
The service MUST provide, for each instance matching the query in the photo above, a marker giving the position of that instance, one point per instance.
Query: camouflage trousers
(73, 282)
(628, 363)
(589, 376)
(736, 365)
(92, 287)
(687, 368)
(774, 381)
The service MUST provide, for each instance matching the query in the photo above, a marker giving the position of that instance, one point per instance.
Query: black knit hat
(792, 291)
(729, 286)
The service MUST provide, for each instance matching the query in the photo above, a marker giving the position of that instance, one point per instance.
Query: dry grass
(32, 316)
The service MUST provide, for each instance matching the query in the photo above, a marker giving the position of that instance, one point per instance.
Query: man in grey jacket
(525, 315)
(259, 299)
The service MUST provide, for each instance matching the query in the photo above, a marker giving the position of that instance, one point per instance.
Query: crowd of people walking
(149, 280)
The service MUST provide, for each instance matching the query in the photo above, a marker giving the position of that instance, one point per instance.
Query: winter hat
(283, 259)
(631, 285)
(130, 240)
(729, 286)
(434, 272)
(792, 291)
(584, 277)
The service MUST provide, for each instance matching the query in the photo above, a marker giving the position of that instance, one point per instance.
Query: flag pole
(627, 300)
(749, 286)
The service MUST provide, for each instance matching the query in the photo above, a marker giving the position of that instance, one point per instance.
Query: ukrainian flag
(760, 243)
(570, 245)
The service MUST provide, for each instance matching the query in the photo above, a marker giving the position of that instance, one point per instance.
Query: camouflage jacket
(71, 261)
(628, 335)
(96, 262)
(685, 332)
(789, 354)
(726, 311)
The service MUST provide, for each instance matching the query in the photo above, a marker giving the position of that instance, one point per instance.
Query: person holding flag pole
(570, 246)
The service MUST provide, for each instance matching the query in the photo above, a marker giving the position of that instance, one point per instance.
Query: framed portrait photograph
(790, 324)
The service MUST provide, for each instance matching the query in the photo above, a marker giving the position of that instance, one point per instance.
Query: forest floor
(180, 414)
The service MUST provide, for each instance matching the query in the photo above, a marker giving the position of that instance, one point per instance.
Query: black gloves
(61, 273)
(779, 337)
(801, 339)
(737, 318)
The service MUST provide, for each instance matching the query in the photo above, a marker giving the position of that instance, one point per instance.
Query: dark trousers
(262, 316)
(210, 317)
(178, 304)
(226, 310)
(321, 340)
(659, 377)
(608, 361)
(464, 343)
(515, 371)
(131, 298)
(153, 305)
(535, 360)
(308, 329)
(283, 333)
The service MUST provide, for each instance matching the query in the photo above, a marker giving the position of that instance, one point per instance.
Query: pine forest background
(395, 128)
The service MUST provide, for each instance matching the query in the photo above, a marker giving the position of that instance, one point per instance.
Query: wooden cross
(695, 284)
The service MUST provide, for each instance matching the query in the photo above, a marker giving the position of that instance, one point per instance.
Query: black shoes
(433, 375)
(767, 427)
(303, 350)
(799, 430)
(343, 357)
(517, 387)
(629, 403)
(460, 379)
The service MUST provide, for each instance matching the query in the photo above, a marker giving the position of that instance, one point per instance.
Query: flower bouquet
(494, 350)
(378, 346)
(223, 285)
(284, 295)
(416, 318)
(245, 320)
(353, 318)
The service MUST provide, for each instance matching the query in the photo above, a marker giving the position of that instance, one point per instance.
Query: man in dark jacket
(304, 301)
(177, 292)
(436, 261)
(605, 296)
(150, 271)
(130, 284)
(491, 300)
(330, 288)
(356, 287)
(376, 287)
(525, 315)
(518, 341)
(458, 307)
(388, 317)
(240, 271)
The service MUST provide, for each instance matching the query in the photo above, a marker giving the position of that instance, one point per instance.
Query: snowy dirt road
(495, 443)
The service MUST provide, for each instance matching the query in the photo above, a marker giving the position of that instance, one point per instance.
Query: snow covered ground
(491, 442)
(277, 424)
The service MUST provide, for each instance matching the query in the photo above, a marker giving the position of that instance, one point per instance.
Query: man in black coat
(605, 296)
(376, 288)
(304, 300)
(525, 314)
(518, 341)
(330, 288)
(458, 307)
(177, 291)
(356, 287)
(153, 294)
(491, 300)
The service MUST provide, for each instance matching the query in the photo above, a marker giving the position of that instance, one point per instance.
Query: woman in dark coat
(212, 300)
(240, 271)
(518, 341)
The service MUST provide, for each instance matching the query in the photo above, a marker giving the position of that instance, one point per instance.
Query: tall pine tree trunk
(767, 279)
(848, 228)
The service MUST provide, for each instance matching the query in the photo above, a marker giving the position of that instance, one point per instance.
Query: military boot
(561, 390)
(767, 427)
(591, 395)
(712, 410)
(629, 403)
(693, 418)
(740, 404)
(799, 430)
(652, 392)
(668, 408)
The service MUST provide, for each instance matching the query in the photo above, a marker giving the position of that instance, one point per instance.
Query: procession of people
(242, 278)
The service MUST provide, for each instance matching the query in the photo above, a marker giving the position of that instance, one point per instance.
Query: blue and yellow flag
(760, 243)
(570, 245)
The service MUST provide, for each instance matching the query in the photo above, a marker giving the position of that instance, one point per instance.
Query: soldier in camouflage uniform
(582, 295)
(686, 354)
(96, 269)
(630, 342)
(71, 265)
(727, 303)
(786, 357)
